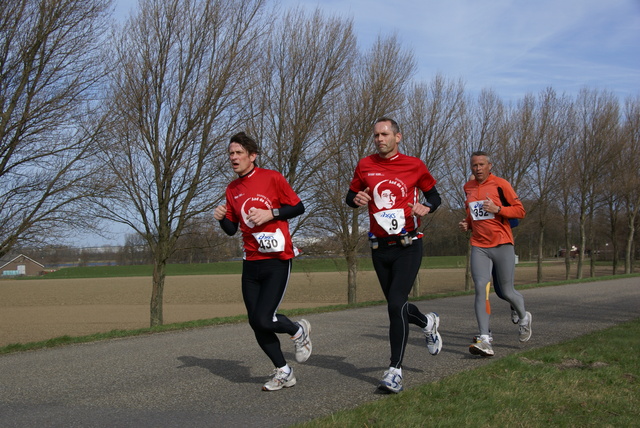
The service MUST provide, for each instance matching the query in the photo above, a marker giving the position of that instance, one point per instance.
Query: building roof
(19, 256)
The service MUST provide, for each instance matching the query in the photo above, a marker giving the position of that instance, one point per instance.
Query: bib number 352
(478, 212)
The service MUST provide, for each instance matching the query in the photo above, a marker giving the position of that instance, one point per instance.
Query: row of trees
(130, 124)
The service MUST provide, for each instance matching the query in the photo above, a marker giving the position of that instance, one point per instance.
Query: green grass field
(221, 268)
(591, 381)
(300, 264)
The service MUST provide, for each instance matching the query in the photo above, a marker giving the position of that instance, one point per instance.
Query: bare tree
(183, 68)
(552, 133)
(630, 192)
(597, 115)
(375, 88)
(303, 68)
(432, 115)
(50, 72)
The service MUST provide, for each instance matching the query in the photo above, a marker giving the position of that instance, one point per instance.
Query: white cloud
(512, 46)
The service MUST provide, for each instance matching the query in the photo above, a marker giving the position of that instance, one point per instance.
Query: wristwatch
(275, 212)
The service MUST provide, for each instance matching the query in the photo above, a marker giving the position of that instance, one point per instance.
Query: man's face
(386, 141)
(480, 167)
(241, 160)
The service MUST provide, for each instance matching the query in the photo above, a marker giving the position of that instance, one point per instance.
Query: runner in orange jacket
(491, 202)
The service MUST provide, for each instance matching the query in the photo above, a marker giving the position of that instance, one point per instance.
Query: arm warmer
(289, 211)
(286, 212)
(351, 195)
(229, 227)
(433, 198)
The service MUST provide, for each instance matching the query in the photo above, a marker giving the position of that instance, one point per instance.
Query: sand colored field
(35, 310)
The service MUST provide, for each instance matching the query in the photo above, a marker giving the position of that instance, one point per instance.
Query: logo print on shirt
(259, 201)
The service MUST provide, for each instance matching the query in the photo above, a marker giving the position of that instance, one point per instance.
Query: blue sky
(512, 46)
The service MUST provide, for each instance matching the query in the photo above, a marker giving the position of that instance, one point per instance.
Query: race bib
(270, 242)
(477, 211)
(392, 221)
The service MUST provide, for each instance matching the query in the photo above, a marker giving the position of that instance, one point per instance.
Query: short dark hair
(394, 125)
(248, 143)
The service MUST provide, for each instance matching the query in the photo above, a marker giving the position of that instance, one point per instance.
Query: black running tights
(397, 268)
(264, 283)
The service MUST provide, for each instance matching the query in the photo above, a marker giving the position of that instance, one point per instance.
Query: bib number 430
(270, 242)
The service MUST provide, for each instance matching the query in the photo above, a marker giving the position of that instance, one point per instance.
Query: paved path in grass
(212, 377)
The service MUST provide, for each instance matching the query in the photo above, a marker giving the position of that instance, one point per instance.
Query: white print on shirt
(270, 242)
(261, 200)
(478, 212)
(391, 220)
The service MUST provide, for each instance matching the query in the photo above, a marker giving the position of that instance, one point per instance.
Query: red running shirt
(393, 184)
(263, 189)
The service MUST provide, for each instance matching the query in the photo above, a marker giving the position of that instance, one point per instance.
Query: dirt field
(35, 310)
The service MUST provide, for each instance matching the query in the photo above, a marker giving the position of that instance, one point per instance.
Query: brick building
(21, 266)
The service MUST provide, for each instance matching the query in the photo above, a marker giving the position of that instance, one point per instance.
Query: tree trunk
(159, 273)
(416, 286)
(583, 242)
(352, 277)
(540, 253)
(467, 272)
(567, 251)
(628, 253)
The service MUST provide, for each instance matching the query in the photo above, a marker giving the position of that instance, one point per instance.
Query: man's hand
(362, 197)
(489, 206)
(419, 209)
(463, 225)
(220, 212)
(259, 216)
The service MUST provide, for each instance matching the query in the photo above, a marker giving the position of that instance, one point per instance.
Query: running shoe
(476, 338)
(525, 328)
(391, 382)
(481, 347)
(433, 338)
(303, 342)
(281, 379)
(514, 316)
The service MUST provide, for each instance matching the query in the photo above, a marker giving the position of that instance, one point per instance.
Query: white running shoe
(525, 328)
(481, 347)
(433, 338)
(280, 380)
(391, 382)
(303, 342)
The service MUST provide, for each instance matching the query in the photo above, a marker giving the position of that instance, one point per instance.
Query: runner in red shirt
(261, 201)
(492, 248)
(389, 183)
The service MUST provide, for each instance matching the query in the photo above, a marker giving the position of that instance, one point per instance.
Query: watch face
(276, 212)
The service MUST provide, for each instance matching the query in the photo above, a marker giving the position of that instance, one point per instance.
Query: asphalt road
(212, 377)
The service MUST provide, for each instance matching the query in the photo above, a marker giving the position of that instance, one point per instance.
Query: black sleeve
(289, 211)
(229, 227)
(433, 198)
(351, 195)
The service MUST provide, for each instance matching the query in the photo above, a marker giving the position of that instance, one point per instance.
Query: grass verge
(592, 380)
